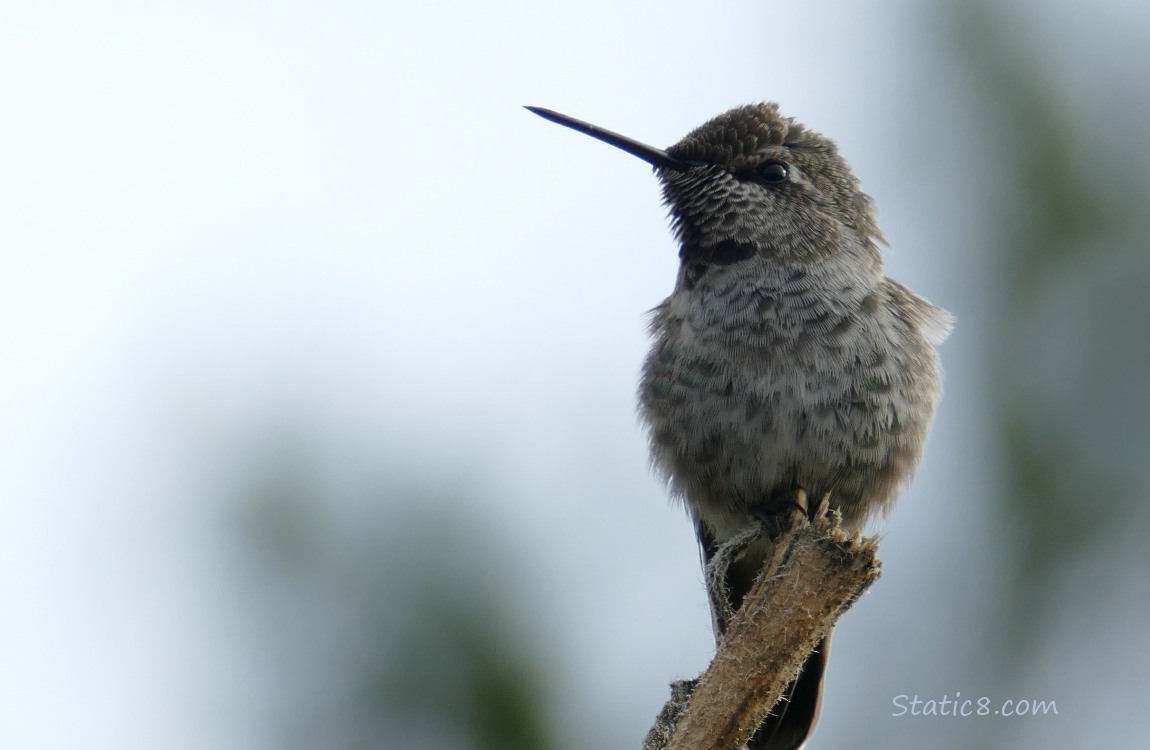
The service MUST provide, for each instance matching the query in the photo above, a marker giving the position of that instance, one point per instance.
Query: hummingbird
(784, 364)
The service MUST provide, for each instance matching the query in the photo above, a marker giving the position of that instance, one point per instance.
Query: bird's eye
(773, 171)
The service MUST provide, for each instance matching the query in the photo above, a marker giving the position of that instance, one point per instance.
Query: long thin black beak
(655, 156)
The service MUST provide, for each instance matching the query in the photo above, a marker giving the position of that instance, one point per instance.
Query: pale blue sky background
(224, 220)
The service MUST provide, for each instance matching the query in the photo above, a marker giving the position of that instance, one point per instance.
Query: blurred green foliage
(394, 616)
(1063, 209)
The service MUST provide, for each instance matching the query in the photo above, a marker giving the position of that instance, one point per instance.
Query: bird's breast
(753, 387)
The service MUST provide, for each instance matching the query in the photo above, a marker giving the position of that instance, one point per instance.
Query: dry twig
(814, 575)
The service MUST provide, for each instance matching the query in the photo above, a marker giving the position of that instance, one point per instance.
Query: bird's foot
(784, 508)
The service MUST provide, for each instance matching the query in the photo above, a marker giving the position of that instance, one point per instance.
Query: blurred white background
(245, 239)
